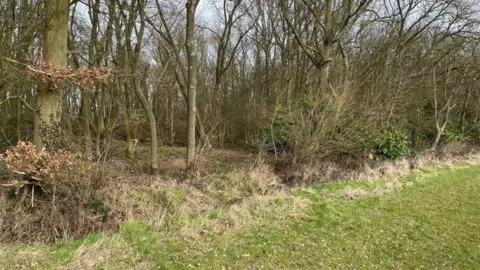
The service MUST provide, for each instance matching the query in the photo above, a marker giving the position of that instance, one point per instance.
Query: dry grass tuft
(387, 188)
(235, 185)
(104, 252)
(280, 206)
(352, 193)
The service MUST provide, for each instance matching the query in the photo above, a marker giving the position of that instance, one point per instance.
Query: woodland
(114, 110)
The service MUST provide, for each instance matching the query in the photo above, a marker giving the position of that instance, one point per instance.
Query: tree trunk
(131, 140)
(324, 74)
(92, 49)
(191, 86)
(171, 134)
(152, 124)
(66, 119)
(19, 118)
(47, 131)
(100, 123)
(85, 113)
(464, 110)
(133, 57)
(437, 140)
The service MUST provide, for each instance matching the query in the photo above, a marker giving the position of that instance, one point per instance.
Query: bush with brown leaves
(57, 201)
(46, 165)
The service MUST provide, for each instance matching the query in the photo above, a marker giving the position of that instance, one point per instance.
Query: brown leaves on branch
(84, 77)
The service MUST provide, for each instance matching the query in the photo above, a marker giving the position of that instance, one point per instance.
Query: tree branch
(22, 100)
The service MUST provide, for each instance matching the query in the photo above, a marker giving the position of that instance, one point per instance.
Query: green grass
(432, 222)
(166, 153)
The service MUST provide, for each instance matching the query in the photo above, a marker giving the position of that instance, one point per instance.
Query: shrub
(357, 136)
(475, 132)
(45, 165)
(453, 133)
(320, 126)
(275, 134)
(96, 205)
(51, 197)
(392, 144)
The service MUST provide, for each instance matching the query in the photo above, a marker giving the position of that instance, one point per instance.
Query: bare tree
(329, 18)
(181, 75)
(191, 84)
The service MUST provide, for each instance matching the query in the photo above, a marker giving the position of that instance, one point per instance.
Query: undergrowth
(427, 221)
(51, 195)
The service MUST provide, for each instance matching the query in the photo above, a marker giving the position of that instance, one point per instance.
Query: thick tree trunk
(47, 118)
(324, 76)
(47, 131)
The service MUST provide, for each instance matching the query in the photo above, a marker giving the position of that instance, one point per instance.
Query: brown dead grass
(278, 206)
(387, 188)
(371, 170)
(239, 183)
(218, 202)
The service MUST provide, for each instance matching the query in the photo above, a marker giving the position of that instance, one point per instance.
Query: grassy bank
(428, 219)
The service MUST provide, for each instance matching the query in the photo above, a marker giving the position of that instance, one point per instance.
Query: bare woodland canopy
(305, 77)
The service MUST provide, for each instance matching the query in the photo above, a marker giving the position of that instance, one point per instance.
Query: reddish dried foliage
(45, 164)
(84, 77)
(57, 204)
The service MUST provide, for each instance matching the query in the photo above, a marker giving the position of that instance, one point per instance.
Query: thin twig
(33, 193)
(22, 100)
